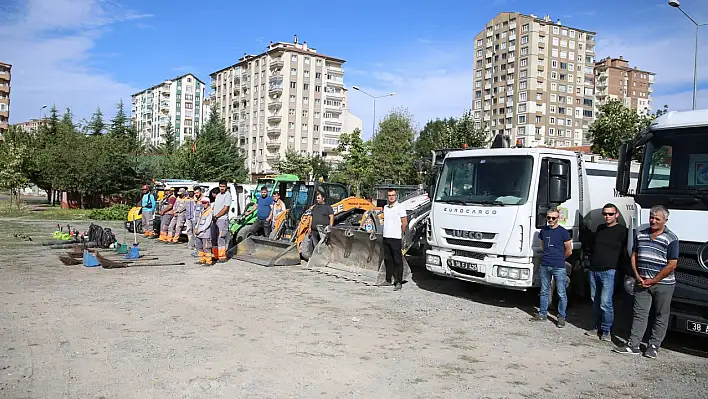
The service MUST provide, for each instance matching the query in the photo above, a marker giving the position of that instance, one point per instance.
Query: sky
(85, 54)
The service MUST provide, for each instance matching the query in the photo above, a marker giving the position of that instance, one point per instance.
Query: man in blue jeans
(607, 249)
(556, 246)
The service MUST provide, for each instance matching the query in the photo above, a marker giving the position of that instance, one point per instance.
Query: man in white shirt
(395, 224)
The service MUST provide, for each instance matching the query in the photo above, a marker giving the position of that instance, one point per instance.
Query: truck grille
(473, 244)
(688, 270)
(468, 254)
(470, 234)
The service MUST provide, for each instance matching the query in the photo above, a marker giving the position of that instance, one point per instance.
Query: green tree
(294, 163)
(436, 134)
(392, 148)
(465, 132)
(96, 126)
(217, 154)
(320, 167)
(169, 140)
(616, 124)
(356, 167)
(119, 124)
(14, 164)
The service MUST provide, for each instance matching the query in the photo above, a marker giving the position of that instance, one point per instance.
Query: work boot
(222, 255)
(397, 286)
(561, 322)
(538, 317)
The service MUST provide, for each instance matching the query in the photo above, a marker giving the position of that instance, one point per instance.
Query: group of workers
(205, 217)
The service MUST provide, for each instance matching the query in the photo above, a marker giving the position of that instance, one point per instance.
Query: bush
(115, 212)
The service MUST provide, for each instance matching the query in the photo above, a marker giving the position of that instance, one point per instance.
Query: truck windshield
(269, 183)
(675, 163)
(492, 180)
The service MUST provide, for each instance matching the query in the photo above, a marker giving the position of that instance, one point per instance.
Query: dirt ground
(238, 330)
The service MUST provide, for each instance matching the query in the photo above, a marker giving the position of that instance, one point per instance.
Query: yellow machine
(285, 245)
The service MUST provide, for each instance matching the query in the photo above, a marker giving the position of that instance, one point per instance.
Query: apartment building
(30, 125)
(288, 97)
(534, 80)
(615, 79)
(5, 75)
(177, 102)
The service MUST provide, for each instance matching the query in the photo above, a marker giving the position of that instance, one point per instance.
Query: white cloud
(49, 44)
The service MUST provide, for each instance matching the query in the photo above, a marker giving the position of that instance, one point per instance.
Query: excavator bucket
(353, 254)
(265, 252)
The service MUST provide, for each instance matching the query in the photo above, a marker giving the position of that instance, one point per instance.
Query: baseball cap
(206, 200)
(181, 191)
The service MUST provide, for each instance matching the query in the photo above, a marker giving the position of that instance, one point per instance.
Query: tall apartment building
(615, 79)
(288, 97)
(534, 81)
(5, 76)
(30, 125)
(177, 101)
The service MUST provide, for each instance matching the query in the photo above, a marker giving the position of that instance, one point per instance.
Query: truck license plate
(465, 265)
(701, 328)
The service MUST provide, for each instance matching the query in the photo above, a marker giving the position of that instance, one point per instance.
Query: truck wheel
(246, 232)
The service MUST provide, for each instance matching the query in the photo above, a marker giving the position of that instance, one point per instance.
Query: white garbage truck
(674, 173)
(489, 205)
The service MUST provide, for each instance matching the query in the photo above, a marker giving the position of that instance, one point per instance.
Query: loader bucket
(353, 254)
(265, 252)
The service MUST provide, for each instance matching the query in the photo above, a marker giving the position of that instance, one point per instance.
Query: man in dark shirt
(607, 249)
(322, 214)
(556, 246)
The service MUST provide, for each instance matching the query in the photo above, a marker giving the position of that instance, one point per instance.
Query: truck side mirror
(558, 184)
(623, 170)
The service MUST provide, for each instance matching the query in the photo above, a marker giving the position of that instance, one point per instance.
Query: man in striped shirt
(654, 258)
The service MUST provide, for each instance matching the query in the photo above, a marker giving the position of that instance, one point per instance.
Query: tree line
(101, 160)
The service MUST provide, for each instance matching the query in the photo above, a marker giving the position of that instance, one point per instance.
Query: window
(292, 98)
(523, 96)
(524, 39)
(525, 28)
(524, 62)
(306, 100)
(554, 75)
(554, 52)
(522, 108)
(293, 58)
(522, 118)
(317, 115)
(552, 109)
(522, 85)
(587, 113)
(307, 60)
(291, 125)
(293, 85)
(555, 30)
(318, 89)
(291, 112)
(306, 86)
(552, 120)
(555, 41)
(538, 119)
(524, 50)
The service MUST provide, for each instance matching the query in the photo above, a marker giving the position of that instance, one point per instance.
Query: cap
(190, 190)
(181, 191)
(206, 200)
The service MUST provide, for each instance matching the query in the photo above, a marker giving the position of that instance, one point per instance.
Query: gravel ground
(242, 330)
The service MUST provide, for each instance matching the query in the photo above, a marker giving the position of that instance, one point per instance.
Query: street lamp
(373, 123)
(677, 4)
(40, 115)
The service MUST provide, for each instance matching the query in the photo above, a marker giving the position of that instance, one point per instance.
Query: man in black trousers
(395, 224)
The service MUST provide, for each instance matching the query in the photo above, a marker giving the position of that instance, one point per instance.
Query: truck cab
(490, 204)
(674, 173)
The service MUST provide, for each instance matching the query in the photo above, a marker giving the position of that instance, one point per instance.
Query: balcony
(276, 63)
(213, 84)
(273, 131)
(273, 143)
(487, 86)
(276, 77)
(337, 83)
(273, 157)
(275, 89)
(275, 104)
(487, 107)
(274, 117)
(487, 96)
(335, 68)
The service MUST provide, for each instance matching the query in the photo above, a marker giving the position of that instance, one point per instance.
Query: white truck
(490, 204)
(674, 173)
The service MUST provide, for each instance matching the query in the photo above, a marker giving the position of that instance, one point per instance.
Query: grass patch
(41, 212)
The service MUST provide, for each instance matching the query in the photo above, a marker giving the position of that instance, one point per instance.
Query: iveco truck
(489, 205)
(674, 173)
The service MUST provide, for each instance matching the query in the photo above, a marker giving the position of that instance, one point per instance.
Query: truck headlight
(512, 273)
(433, 260)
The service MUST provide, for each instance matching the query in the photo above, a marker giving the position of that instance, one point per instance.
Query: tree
(119, 123)
(617, 124)
(294, 163)
(96, 126)
(169, 140)
(392, 148)
(14, 164)
(465, 132)
(320, 167)
(357, 167)
(216, 154)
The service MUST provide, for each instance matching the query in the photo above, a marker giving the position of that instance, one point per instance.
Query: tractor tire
(246, 232)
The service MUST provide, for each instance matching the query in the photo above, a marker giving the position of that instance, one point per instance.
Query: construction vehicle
(489, 205)
(674, 173)
(285, 244)
(243, 226)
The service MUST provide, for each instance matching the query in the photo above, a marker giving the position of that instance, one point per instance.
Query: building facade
(30, 125)
(5, 77)
(175, 102)
(615, 79)
(289, 97)
(533, 80)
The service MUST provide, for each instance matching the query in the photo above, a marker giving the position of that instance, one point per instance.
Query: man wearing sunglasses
(556, 246)
(607, 249)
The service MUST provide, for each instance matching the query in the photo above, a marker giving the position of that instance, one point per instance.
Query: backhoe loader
(287, 243)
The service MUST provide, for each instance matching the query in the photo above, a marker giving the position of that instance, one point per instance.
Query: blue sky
(87, 53)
